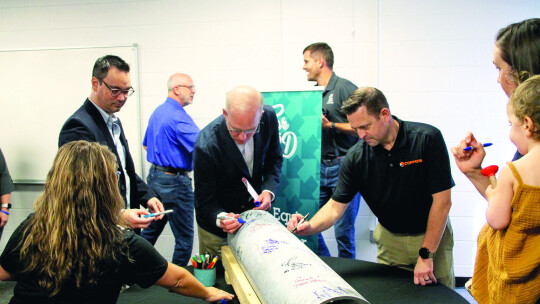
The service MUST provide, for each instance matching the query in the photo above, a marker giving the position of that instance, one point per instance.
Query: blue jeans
(176, 194)
(344, 227)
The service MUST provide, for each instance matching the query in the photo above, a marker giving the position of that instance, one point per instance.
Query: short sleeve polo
(398, 184)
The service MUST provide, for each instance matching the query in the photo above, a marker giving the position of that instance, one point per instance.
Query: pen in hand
(225, 217)
(251, 191)
(469, 148)
(300, 222)
(157, 213)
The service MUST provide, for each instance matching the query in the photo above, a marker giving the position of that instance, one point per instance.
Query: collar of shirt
(241, 146)
(174, 103)
(104, 114)
(331, 83)
(401, 138)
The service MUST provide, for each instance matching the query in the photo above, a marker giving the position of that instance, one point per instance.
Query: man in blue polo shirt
(169, 142)
(402, 170)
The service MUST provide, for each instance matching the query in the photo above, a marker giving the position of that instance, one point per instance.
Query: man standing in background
(95, 121)
(337, 138)
(169, 141)
(6, 187)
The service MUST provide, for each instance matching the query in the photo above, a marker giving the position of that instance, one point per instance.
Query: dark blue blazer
(219, 167)
(88, 124)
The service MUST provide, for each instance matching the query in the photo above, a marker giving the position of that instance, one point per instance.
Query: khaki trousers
(401, 250)
(209, 242)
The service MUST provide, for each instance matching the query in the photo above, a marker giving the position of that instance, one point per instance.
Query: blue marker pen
(156, 214)
(251, 191)
(225, 217)
(470, 148)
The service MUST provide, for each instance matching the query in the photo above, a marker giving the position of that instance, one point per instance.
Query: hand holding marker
(251, 191)
(470, 147)
(226, 217)
(488, 171)
(300, 223)
(157, 213)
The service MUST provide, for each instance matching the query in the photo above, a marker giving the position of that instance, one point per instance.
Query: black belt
(330, 162)
(172, 170)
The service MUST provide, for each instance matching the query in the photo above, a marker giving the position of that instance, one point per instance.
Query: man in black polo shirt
(402, 170)
(336, 138)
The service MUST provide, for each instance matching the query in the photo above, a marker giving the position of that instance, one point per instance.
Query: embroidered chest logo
(331, 99)
(412, 162)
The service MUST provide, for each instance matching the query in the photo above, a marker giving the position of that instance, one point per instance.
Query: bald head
(180, 88)
(243, 110)
(243, 99)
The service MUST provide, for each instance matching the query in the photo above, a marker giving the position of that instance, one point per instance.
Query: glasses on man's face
(236, 132)
(115, 92)
(189, 87)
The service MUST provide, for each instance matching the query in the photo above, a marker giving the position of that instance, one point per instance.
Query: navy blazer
(87, 123)
(219, 167)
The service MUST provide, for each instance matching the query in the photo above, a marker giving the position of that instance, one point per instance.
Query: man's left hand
(266, 201)
(423, 272)
(154, 206)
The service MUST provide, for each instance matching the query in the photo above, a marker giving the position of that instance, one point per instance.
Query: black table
(375, 282)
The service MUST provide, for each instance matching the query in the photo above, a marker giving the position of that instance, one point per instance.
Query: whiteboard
(39, 90)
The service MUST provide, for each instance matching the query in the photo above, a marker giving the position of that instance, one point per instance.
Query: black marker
(301, 221)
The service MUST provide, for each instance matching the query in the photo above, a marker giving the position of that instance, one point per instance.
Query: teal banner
(299, 116)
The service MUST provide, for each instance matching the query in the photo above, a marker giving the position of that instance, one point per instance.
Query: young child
(507, 268)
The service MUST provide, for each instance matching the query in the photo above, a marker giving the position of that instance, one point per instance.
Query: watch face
(424, 253)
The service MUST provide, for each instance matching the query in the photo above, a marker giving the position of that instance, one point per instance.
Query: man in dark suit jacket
(95, 121)
(244, 142)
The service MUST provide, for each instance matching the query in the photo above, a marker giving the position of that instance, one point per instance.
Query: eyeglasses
(189, 87)
(236, 132)
(116, 92)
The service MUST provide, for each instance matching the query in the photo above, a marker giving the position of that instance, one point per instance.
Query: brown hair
(519, 44)
(73, 235)
(321, 49)
(372, 98)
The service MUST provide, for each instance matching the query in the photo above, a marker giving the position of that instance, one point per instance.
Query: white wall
(431, 58)
(436, 67)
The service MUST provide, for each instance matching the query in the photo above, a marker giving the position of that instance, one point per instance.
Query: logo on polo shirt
(412, 162)
(331, 99)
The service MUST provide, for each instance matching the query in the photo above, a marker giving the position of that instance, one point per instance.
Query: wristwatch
(424, 253)
(333, 127)
(8, 205)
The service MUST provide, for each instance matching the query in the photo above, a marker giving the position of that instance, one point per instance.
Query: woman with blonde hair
(73, 249)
